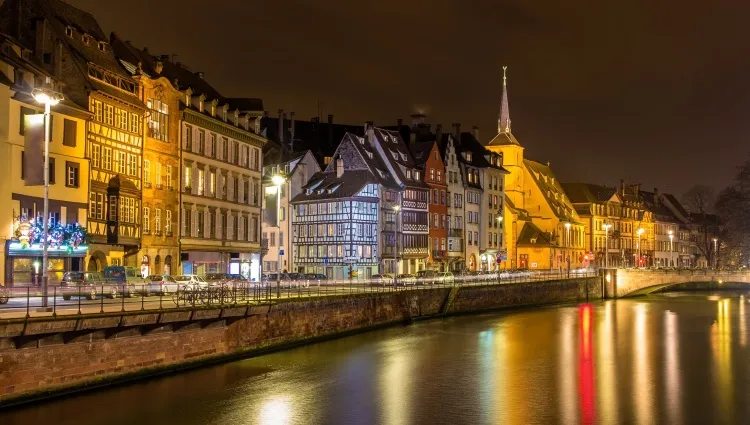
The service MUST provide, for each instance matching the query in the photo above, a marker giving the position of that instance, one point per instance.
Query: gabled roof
(551, 190)
(346, 186)
(469, 143)
(397, 155)
(657, 208)
(503, 139)
(532, 235)
(320, 138)
(421, 152)
(586, 193)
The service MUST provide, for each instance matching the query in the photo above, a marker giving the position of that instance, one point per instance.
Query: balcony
(438, 254)
(456, 233)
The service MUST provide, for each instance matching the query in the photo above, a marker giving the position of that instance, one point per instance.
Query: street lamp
(567, 242)
(278, 180)
(49, 98)
(396, 208)
(606, 244)
(640, 232)
(716, 253)
(671, 250)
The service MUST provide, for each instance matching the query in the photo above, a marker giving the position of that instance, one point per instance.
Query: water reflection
(655, 360)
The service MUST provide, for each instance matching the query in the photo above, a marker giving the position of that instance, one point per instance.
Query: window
(71, 174)
(52, 170)
(86, 39)
(188, 178)
(135, 123)
(147, 172)
(272, 242)
(169, 177)
(157, 220)
(201, 141)
(121, 119)
(211, 146)
(201, 182)
(121, 165)
(168, 222)
(69, 31)
(157, 176)
(127, 210)
(188, 138)
(158, 125)
(132, 165)
(96, 205)
(146, 220)
(96, 155)
(224, 148)
(432, 174)
(113, 208)
(70, 132)
(408, 174)
(439, 176)
(102, 46)
(109, 114)
(435, 220)
(212, 183)
(24, 111)
(201, 223)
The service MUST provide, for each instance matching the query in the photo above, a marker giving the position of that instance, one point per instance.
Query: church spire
(503, 120)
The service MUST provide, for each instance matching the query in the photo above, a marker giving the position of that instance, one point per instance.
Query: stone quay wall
(51, 356)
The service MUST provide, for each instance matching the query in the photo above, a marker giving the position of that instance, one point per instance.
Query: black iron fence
(109, 298)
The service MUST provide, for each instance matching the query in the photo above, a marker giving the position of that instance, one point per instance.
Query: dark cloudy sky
(656, 92)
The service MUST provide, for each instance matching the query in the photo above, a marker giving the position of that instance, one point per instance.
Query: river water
(668, 359)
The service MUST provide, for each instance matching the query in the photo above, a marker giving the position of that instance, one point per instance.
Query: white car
(161, 284)
(191, 281)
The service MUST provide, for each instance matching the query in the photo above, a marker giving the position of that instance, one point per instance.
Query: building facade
(456, 251)
(427, 157)
(159, 251)
(21, 179)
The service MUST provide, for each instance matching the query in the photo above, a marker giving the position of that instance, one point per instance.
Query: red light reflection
(586, 365)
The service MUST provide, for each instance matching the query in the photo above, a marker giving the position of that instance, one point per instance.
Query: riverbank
(41, 358)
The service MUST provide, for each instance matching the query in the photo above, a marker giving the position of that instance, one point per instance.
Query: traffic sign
(281, 251)
(325, 261)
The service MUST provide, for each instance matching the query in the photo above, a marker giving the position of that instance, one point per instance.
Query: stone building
(543, 225)
(427, 157)
(21, 71)
(161, 161)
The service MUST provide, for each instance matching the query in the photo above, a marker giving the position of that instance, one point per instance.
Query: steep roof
(580, 193)
(532, 235)
(657, 208)
(503, 139)
(421, 152)
(551, 190)
(320, 138)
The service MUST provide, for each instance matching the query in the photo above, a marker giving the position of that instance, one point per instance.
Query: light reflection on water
(663, 359)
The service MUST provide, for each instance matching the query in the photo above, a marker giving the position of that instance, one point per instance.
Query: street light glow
(46, 96)
(640, 231)
(396, 208)
(278, 180)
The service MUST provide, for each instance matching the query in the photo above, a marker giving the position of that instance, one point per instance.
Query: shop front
(245, 264)
(24, 263)
(202, 262)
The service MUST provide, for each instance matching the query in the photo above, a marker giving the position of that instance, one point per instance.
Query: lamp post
(606, 244)
(640, 232)
(567, 243)
(671, 250)
(278, 180)
(716, 253)
(49, 98)
(500, 225)
(396, 208)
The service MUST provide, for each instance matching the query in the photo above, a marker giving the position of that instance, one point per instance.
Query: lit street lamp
(716, 253)
(671, 250)
(640, 232)
(49, 98)
(278, 180)
(396, 208)
(606, 244)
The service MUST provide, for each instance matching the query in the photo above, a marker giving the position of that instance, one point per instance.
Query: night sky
(644, 90)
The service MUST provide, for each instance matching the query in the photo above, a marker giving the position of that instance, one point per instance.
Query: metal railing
(25, 302)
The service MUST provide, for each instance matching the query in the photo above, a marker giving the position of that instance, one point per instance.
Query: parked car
(384, 279)
(85, 284)
(4, 295)
(161, 284)
(284, 279)
(404, 279)
(216, 278)
(127, 279)
(426, 277)
(191, 281)
(445, 277)
(319, 277)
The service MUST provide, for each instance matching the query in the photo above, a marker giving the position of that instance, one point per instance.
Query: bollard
(143, 296)
(28, 294)
(54, 302)
(101, 308)
(79, 298)
(123, 301)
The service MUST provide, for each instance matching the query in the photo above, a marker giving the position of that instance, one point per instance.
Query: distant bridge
(630, 282)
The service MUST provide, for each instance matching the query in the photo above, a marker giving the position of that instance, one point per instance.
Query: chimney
(291, 131)
(281, 126)
(330, 130)
(339, 167)
(622, 187)
(158, 66)
(400, 123)
(457, 131)
(199, 74)
(475, 132)
(439, 132)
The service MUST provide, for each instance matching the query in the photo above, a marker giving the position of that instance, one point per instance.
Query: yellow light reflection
(396, 385)
(743, 322)
(642, 390)
(277, 410)
(605, 363)
(721, 342)
(567, 368)
(672, 365)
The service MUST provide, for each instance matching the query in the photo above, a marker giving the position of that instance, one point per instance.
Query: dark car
(316, 276)
(85, 284)
(128, 280)
(216, 278)
(426, 277)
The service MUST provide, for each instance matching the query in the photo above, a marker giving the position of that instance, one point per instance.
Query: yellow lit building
(541, 225)
(159, 252)
(20, 73)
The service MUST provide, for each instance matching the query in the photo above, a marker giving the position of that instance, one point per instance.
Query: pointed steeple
(503, 120)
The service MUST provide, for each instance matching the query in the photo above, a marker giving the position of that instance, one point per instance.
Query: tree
(699, 199)
(733, 206)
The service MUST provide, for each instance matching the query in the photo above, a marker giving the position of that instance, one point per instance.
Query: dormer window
(224, 114)
(416, 175)
(200, 104)
(86, 39)
(69, 31)
(213, 109)
(102, 46)
(468, 156)
(236, 118)
(408, 174)
(403, 156)
(369, 154)
(308, 191)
